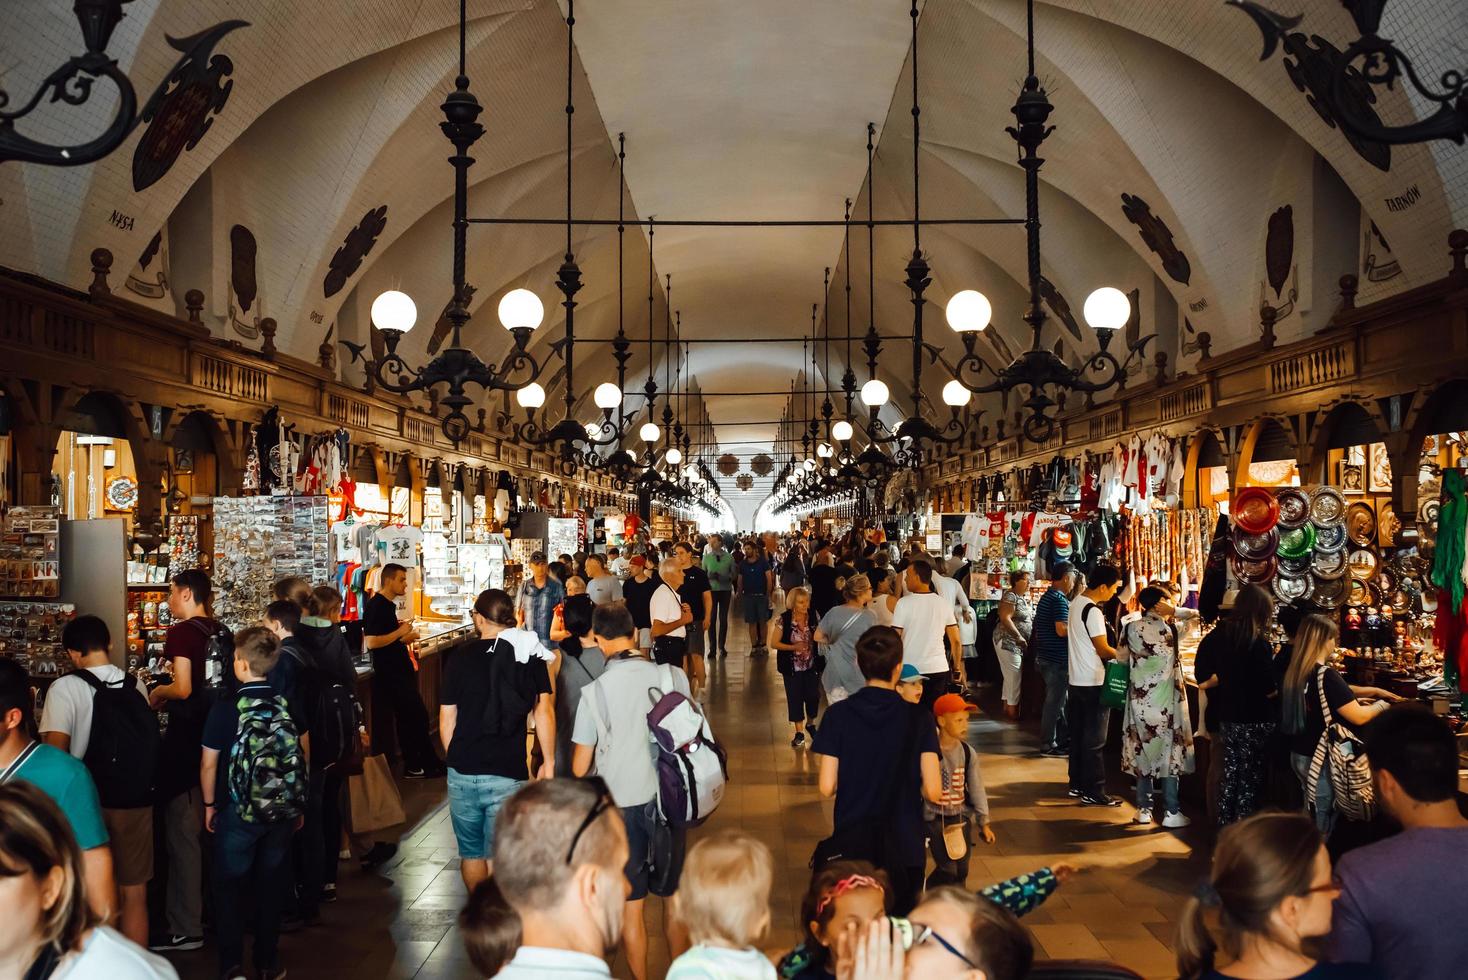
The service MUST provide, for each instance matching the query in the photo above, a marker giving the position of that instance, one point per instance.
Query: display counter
(434, 640)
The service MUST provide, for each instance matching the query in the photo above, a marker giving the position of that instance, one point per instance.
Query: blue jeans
(1054, 733)
(1325, 815)
(250, 858)
(474, 802)
(1169, 793)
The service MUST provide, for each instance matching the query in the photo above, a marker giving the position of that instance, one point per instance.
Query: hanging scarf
(1448, 558)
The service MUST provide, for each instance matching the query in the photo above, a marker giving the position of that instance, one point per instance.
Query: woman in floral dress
(1157, 741)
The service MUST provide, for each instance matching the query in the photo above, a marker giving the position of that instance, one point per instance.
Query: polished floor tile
(400, 922)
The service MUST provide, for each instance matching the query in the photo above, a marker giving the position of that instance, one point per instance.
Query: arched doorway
(1267, 456)
(99, 469)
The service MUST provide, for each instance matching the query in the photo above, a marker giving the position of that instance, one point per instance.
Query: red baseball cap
(638, 560)
(951, 703)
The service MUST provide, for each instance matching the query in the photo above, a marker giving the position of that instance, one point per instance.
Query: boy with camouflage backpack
(255, 800)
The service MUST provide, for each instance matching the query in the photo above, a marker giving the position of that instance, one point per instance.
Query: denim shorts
(474, 802)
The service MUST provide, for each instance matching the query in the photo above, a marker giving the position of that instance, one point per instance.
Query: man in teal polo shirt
(60, 777)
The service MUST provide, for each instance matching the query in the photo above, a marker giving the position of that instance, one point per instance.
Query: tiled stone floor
(399, 923)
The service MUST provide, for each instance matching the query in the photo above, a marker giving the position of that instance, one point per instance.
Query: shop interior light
(956, 395)
(1107, 309)
(650, 432)
(521, 309)
(607, 395)
(531, 396)
(674, 456)
(825, 451)
(394, 310)
(874, 393)
(842, 431)
(969, 310)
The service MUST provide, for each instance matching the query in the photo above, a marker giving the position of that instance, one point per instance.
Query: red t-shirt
(190, 639)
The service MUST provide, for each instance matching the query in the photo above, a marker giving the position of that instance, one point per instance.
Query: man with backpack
(101, 716)
(1090, 644)
(612, 732)
(192, 642)
(253, 779)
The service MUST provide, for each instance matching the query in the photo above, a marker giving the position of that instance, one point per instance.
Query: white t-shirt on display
(666, 607)
(68, 706)
(924, 618)
(1086, 667)
(399, 545)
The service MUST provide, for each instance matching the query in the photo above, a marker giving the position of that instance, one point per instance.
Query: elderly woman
(1012, 636)
(1157, 741)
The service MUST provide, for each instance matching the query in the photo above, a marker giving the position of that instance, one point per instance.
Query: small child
(964, 798)
(910, 684)
(843, 896)
(724, 900)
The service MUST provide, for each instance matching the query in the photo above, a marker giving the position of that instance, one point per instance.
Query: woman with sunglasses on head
(47, 930)
(1266, 904)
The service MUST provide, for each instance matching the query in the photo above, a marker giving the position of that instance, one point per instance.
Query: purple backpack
(692, 767)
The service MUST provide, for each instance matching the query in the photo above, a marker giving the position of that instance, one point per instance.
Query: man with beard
(559, 850)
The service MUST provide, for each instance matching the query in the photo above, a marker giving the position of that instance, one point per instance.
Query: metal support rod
(767, 340)
(753, 223)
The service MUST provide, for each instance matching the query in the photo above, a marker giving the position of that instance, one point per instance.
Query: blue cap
(909, 673)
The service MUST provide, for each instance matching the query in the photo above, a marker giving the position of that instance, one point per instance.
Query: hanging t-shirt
(399, 544)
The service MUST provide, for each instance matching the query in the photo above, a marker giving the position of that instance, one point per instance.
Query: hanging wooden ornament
(744, 481)
(728, 464)
(762, 465)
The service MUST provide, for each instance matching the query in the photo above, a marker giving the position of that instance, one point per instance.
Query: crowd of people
(557, 721)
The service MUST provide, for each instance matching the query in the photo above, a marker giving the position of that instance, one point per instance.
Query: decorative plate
(1427, 513)
(1294, 507)
(1361, 524)
(1363, 564)
(122, 493)
(1330, 593)
(1295, 566)
(1255, 509)
(1360, 593)
(1255, 547)
(1298, 542)
(1327, 506)
(1330, 537)
(1328, 564)
(1429, 601)
(1288, 588)
(1253, 572)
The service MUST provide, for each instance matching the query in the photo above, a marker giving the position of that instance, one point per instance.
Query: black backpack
(509, 702)
(335, 716)
(122, 753)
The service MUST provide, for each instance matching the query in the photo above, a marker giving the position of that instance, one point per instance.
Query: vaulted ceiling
(747, 110)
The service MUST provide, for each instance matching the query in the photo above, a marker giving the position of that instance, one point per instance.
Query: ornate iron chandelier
(195, 81)
(1346, 90)
(1039, 371)
(520, 310)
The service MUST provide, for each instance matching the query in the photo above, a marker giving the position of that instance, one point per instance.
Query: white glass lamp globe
(649, 432)
(521, 308)
(395, 311)
(969, 310)
(842, 430)
(874, 393)
(593, 429)
(809, 463)
(607, 395)
(793, 477)
(691, 472)
(531, 396)
(675, 456)
(824, 450)
(1107, 309)
(956, 395)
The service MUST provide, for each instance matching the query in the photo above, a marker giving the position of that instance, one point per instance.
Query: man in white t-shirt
(66, 723)
(1089, 649)
(618, 565)
(929, 630)
(670, 616)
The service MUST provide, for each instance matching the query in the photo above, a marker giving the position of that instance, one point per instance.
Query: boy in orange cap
(964, 799)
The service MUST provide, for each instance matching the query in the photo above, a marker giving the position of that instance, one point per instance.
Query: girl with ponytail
(1266, 906)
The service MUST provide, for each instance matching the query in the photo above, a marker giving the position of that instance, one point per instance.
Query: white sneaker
(1175, 820)
(1144, 817)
